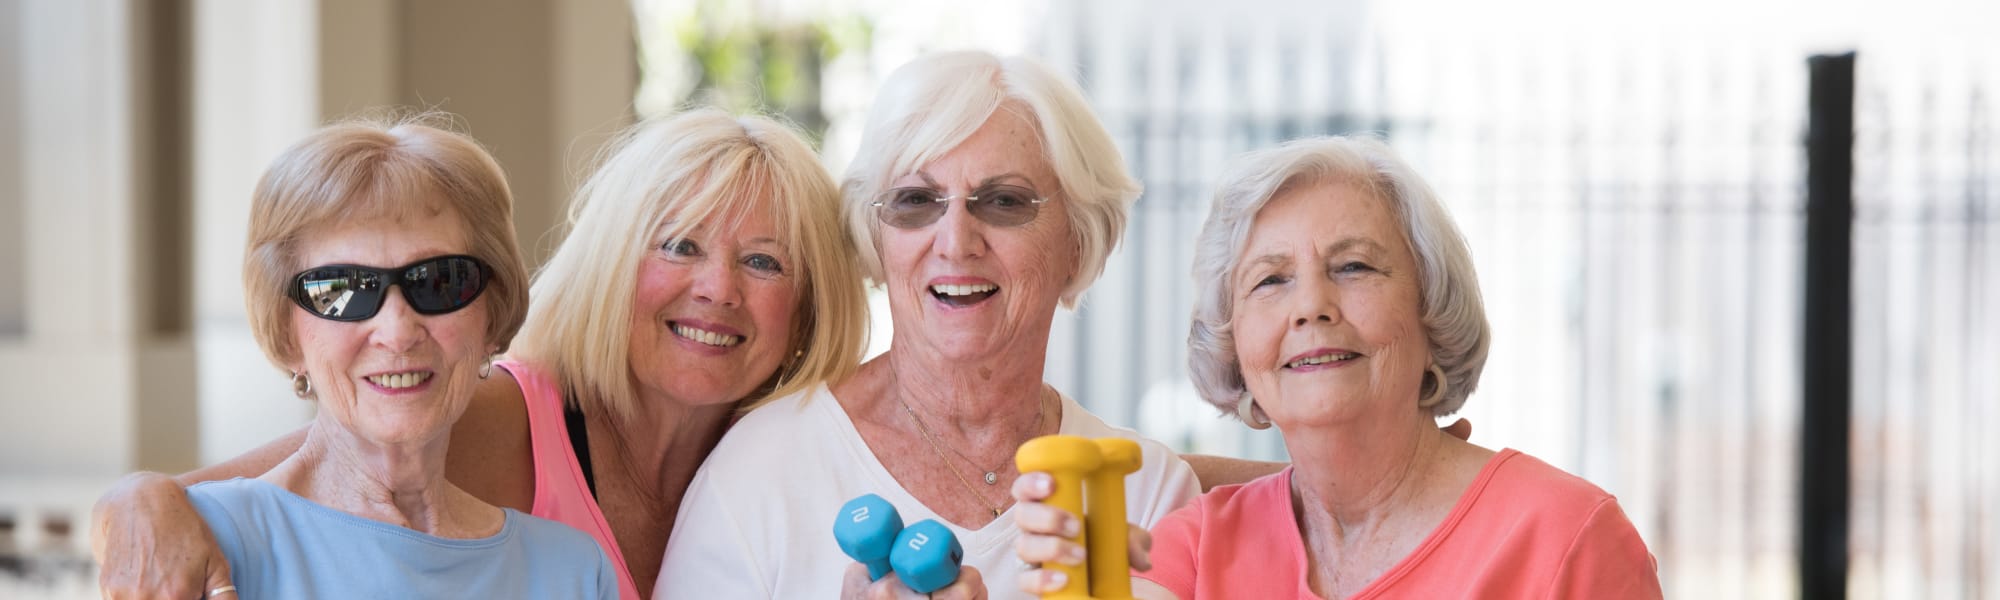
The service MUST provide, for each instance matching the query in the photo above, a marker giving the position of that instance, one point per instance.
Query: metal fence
(1635, 207)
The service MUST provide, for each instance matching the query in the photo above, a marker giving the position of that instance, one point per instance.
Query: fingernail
(1071, 528)
(1074, 555)
(1055, 581)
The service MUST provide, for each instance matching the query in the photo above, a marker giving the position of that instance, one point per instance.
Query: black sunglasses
(432, 286)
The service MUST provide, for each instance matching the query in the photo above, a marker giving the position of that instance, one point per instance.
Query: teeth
(396, 381)
(963, 290)
(1320, 360)
(707, 337)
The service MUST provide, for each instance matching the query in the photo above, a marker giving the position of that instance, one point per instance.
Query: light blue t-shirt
(281, 545)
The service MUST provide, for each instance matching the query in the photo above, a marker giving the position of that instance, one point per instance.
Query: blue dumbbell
(927, 556)
(866, 530)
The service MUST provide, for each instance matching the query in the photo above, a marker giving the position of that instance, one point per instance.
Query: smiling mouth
(397, 381)
(1322, 359)
(963, 295)
(703, 336)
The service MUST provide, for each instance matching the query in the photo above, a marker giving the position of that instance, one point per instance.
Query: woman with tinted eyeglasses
(382, 274)
(985, 195)
(705, 270)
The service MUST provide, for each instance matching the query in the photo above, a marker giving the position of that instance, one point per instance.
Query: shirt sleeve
(709, 554)
(222, 524)
(1174, 488)
(607, 577)
(1175, 539)
(1607, 560)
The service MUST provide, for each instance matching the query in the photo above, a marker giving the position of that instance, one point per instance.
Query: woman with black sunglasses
(382, 274)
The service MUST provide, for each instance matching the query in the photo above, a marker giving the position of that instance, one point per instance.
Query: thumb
(854, 581)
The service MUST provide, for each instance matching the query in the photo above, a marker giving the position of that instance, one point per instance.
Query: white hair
(934, 103)
(1453, 315)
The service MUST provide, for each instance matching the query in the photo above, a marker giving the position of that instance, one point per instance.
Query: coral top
(561, 494)
(1523, 529)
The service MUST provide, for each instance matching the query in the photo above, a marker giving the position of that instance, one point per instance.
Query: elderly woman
(382, 273)
(706, 269)
(1337, 301)
(985, 195)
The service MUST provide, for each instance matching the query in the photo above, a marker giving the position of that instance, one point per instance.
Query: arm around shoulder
(1212, 471)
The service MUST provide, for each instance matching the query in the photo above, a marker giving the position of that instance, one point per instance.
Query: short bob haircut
(931, 105)
(660, 179)
(365, 169)
(1453, 315)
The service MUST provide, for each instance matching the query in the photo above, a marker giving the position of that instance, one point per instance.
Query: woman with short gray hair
(1337, 300)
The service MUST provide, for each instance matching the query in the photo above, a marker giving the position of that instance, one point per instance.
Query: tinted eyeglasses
(432, 286)
(998, 205)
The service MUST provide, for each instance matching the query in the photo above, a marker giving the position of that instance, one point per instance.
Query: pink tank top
(561, 495)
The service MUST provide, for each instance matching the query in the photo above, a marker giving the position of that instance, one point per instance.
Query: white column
(70, 376)
(256, 88)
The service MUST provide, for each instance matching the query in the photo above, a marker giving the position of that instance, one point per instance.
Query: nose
(398, 328)
(715, 283)
(1317, 301)
(958, 232)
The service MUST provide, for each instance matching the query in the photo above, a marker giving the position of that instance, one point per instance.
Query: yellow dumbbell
(1096, 469)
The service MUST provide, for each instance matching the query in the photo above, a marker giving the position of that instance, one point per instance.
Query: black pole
(1828, 360)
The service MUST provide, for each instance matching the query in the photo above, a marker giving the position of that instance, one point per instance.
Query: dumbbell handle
(1068, 459)
(1110, 568)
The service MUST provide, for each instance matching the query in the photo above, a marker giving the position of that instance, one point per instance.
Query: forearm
(256, 462)
(1214, 471)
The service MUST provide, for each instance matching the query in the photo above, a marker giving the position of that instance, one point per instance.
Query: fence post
(1824, 493)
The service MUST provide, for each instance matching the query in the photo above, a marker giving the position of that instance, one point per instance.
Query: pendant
(991, 478)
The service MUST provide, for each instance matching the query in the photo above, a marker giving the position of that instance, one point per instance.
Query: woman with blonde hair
(705, 271)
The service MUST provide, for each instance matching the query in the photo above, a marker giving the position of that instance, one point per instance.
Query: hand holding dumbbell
(1074, 470)
(925, 556)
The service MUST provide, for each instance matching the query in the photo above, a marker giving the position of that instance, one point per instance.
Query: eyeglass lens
(352, 293)
(997, 205)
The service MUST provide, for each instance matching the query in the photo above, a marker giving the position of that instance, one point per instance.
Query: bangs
(742, 181)
(382, 183)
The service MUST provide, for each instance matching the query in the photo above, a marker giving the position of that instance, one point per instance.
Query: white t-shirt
(757, 521)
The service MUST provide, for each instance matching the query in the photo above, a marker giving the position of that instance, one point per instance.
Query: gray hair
(1453, 315)
(931, 105)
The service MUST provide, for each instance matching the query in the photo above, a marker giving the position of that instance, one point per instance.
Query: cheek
(1046, 259)
(657, 284)
(773, 306)
(1256, 342)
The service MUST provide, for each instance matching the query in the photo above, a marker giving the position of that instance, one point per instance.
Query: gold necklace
(992, 475)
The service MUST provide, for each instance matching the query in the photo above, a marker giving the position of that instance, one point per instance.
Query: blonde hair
(934, 103)
(378, 168)
(1453, 315)
(683, 170)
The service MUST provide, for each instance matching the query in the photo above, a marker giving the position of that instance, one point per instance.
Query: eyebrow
(767, 241)
(1352, 243)
(1277, 259)
(926, 176)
